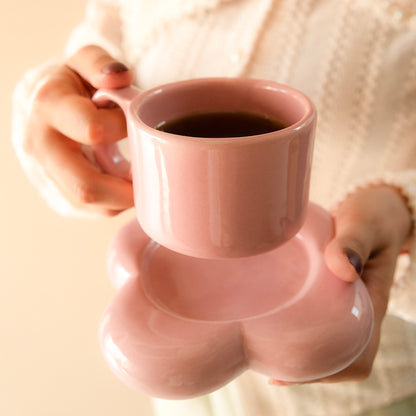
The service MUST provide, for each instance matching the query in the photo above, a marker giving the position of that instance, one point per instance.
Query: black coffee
(221, 124)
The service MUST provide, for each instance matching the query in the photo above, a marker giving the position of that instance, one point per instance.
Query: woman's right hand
(64, 119)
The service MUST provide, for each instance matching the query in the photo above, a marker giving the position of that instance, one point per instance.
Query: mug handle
(108, 156)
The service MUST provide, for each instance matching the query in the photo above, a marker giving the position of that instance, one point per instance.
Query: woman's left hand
(372, 226)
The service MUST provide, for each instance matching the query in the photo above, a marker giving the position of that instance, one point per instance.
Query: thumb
(100, 69)
(344, 259)
(354, 240)
(349, 250)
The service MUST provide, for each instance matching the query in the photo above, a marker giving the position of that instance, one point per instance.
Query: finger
(64, 103)
(349, 250)
(100, 69)
(356, 237)
(82, 183)
(343, 260)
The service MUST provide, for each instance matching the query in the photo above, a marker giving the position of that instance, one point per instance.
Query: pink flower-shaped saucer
(180, 327)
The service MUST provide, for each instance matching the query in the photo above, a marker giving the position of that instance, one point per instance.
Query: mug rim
(307, 118)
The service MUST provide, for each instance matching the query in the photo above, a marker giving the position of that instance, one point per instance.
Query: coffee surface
(221, 124)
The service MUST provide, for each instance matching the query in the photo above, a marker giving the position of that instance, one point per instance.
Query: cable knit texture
(356, 59)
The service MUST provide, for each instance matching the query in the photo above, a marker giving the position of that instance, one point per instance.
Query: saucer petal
(162, 355)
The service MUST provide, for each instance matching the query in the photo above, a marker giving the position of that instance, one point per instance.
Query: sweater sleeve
(403, 294)
(102, 27)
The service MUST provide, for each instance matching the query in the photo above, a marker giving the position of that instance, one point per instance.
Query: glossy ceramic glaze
(222, 197)
(180, 327)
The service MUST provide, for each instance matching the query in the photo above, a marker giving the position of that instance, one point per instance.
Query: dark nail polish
(355, 259)
(114, 68)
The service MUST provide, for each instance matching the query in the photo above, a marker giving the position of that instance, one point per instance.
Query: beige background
(53, 285)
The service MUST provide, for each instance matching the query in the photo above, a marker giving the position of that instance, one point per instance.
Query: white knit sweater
(356, 59)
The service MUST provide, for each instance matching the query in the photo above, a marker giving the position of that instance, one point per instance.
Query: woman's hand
(372, 227)
(64, 118)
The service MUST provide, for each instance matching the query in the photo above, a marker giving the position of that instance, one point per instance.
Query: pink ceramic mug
(222, 197)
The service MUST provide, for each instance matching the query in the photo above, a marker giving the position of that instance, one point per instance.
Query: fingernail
(114, 68)
(355, 259)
